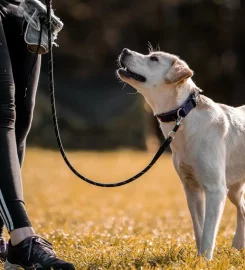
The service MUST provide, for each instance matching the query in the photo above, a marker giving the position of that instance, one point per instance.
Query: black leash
(161, 150)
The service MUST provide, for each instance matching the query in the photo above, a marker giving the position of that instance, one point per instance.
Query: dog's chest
(185, 171)
(179, 141)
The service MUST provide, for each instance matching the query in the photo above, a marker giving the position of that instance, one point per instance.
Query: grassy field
(144, 225)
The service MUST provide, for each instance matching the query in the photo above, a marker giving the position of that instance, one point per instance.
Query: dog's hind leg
(235, 195)
(195, 199)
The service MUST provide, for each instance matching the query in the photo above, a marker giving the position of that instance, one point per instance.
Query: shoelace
(37, 250)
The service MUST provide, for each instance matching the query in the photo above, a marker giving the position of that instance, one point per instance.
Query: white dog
(209, 148)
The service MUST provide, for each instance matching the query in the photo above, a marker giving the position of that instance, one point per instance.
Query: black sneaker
(3, 249)
(32, 254)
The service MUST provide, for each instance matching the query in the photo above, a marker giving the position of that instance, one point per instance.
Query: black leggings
(16, 112)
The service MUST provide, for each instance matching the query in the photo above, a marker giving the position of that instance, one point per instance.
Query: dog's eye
(154, 58)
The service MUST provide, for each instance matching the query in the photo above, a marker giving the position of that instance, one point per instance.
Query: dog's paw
(238, 244)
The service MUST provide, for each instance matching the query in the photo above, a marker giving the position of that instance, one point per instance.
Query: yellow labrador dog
(209, 148)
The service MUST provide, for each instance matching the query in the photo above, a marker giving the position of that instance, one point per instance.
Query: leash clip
(171, 134)
(179, 119)
(178, 113)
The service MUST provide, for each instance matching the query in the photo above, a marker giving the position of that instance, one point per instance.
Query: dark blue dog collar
(182, 111)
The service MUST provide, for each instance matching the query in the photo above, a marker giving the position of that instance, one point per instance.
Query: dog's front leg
(195, 200)
(194, 195)
(215, 201)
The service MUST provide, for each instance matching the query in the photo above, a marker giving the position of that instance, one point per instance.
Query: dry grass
(144, 225)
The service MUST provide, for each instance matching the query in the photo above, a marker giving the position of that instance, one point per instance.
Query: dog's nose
(126, 51)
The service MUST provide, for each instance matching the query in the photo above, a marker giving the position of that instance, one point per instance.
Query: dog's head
(153, 70)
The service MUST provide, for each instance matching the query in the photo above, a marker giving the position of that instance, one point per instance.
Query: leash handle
(161, 150)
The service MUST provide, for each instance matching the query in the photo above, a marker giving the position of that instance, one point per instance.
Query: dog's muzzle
(125, 70)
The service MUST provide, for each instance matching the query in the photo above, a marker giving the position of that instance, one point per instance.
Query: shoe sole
(10, 266)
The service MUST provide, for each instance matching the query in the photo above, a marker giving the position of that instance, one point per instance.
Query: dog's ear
(179, 71)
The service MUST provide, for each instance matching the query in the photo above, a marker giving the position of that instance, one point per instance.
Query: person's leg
(12, 209)
(25, 249)
(24, 105)
(22, 61)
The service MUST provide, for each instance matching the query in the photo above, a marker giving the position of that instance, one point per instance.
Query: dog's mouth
(126, 72)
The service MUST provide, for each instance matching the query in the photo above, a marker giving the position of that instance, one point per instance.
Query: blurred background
(94, 111)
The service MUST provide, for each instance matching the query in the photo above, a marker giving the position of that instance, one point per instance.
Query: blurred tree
(207, 34)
